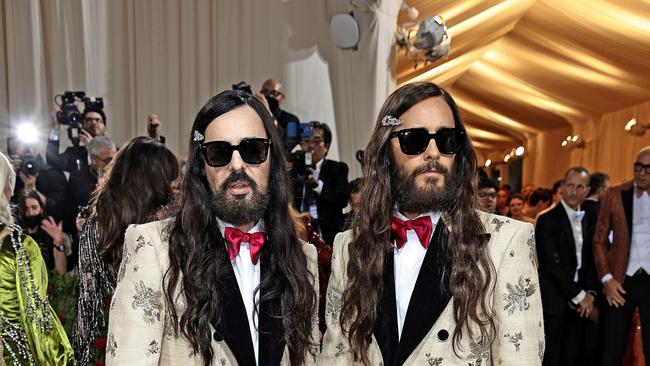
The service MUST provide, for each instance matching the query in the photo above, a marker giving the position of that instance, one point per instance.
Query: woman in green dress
(31, 331)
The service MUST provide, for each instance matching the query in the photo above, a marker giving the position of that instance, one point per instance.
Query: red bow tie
(236, 237)
(422, 227)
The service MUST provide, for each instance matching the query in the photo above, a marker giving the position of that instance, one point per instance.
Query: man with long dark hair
(423, 277)
(226, 280)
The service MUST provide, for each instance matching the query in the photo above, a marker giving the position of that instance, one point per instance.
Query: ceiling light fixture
(574, 142)
(633, 127)
(431, 41)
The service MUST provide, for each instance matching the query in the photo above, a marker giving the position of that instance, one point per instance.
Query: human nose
(236, 161)
(432, 152)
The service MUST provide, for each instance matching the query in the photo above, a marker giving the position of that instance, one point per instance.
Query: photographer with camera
(324, 190)
(81, 129)
(54, 244)
(36, 176)
(272, 90)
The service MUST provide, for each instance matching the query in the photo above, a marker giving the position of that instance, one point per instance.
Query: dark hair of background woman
(136, 184)
(198, 251)
(471, 269)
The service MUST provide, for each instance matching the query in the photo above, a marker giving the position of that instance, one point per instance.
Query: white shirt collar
(434, 215)
(259, 226)
(568, 208)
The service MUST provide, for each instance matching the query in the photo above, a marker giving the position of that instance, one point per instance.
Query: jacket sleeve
(551, 259)
(601, 233)
(518, 304)
(53, 185)
(53, 157)
(136, 320)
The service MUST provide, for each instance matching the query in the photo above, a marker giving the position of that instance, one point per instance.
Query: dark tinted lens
(413, 142)
(217, 153)
(448, 140)
(253, 151)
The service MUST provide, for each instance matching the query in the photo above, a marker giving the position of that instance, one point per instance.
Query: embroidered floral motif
(223, 362)
(340, 350)
(532, 255)
(478, 352)
(141, 243)
(515, 339)
(540, 349)
(512, 253)
(136, 268)
(153, 348)
(499, 223)
(149, 300)
(111, 347)
(433, 361)
(516, 297)
(333, 307)
(168, 329)
(126, 259)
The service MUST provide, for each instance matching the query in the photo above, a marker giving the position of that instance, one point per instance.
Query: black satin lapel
(430, 296)
(627, 198)
(234, 327)
(385, 330)
(271, 332)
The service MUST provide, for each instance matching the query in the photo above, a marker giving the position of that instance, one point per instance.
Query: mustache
(238, 176)
(431, 165)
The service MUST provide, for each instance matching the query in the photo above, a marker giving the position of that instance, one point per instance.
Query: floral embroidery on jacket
(516, 297)
(433, 361)
(153, 348)
(340, 350)
(532, 255)
(141, 243)
(540, 349)
(515, 339)
(478, 352)
(126, 259)
(498, 223)
(333, 307)
(111, 348)
(149, 300)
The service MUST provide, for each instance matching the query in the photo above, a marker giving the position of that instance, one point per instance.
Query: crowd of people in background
(73, 208)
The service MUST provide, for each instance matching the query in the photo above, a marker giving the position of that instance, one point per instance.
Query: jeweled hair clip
(198, 136)
(390, 121)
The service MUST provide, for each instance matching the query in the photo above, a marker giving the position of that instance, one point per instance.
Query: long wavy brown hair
(137, 183)
(198, 254)
(471, 270)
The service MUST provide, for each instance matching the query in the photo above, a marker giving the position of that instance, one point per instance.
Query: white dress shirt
(407, 263)
(575, 218)
(640, 244)
(248, 279)
(313, 210)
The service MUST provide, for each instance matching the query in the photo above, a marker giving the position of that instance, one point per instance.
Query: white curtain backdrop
(169, 56)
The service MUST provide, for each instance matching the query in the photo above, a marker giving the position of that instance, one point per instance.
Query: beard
(411, 198)
(241, 209)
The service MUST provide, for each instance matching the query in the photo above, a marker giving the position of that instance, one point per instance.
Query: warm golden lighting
(520, 151)
(488, 162)
(631, 123)
(635, 128)
(506, 158)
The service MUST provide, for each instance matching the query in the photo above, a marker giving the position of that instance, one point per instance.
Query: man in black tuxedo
(568, 280)
(325, 192)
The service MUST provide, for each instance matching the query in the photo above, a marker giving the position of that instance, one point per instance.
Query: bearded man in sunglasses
(226, 280)
(423, 277)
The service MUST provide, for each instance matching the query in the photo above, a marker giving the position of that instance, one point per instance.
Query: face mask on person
(33, 222)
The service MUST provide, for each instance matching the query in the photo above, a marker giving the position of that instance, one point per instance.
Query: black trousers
(616, 321)
(571, 340)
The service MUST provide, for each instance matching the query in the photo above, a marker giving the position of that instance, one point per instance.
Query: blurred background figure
(135, 188)
(487, 194)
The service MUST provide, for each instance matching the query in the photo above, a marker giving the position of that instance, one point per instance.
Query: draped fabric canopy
(522, 68)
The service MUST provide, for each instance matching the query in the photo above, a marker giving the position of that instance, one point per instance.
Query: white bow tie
(578, 215)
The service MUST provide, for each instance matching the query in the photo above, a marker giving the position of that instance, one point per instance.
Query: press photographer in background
(36, 176)
(54, 244)
(323, 192)
(82, 127)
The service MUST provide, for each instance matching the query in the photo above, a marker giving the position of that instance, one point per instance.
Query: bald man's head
(641, 167)
(273, 88)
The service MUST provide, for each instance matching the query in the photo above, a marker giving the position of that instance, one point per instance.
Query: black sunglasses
(251, 150)
(414, 141)
(640, 166)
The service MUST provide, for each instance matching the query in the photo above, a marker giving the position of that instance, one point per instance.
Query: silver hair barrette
(198, 136)
(390, 121)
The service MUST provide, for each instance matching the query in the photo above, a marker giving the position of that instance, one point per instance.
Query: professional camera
(296, 132)
(300, 161)
(69, 113)
(29, 165)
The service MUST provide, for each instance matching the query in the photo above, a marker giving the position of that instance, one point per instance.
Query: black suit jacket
(430, 296)
(332, 199)
(556, 250)
(72, 159)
